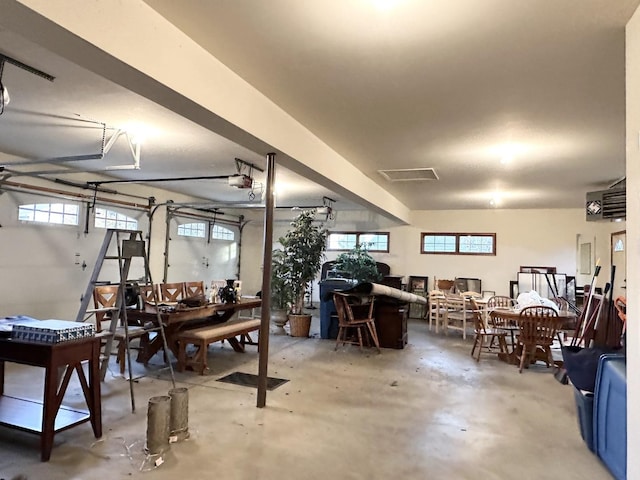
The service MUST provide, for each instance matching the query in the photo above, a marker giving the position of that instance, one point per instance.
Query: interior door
(619, 259)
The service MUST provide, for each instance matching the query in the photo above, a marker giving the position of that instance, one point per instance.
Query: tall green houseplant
(358, 264)
(304, 246)
(281, 298)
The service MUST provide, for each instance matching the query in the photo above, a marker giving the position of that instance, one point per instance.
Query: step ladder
(121, 246)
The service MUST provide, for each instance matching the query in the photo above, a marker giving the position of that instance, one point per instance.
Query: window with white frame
(104, 218)
(54, 213)
(373, 241)
(222, 233)
(196, 229)
(458, 243)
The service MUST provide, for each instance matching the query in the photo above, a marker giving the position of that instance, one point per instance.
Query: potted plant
(304, 246)
(281, 298)
(358, 264)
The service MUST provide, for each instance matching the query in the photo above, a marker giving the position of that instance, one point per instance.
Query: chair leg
(523, 355)
(374, 335)
(360, 337)
(475, 344)
(340, 332)
(120, 356)
(502, 342)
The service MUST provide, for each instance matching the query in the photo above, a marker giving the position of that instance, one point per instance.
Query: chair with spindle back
(537, 328)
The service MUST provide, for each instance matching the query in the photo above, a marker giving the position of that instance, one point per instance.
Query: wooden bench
(204, 336)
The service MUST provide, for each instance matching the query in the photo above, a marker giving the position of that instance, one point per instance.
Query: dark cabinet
(391, 323)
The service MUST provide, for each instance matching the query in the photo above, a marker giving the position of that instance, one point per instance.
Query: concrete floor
(426, 412)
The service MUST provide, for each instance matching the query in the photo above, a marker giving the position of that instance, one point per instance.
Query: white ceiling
(441, 84)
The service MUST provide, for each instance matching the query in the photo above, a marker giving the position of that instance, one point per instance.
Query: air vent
(409, 174)
(606, 204)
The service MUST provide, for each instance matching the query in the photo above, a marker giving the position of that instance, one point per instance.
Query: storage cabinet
(391, 323)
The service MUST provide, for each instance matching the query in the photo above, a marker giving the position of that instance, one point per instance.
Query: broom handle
(585, 316)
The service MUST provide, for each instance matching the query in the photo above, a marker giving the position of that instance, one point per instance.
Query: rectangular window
(458, 243)
(374, 241)
(55, 213)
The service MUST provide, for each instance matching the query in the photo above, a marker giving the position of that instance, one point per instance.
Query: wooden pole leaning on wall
(265, 316)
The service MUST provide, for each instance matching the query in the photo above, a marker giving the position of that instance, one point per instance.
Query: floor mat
(251, 380)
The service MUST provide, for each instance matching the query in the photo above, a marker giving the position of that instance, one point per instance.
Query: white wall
(524, 237)
(633, 243)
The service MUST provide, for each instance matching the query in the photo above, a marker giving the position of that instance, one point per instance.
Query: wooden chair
(471, 294)
(104, 301)
(147, 292)
(500, 301)
(349, 325)
(484, 334)
(171, 292)
(193, 289)
(457, 312)
(436, 309)
(538, 326)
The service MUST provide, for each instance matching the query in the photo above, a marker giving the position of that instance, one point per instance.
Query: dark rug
(251, 380)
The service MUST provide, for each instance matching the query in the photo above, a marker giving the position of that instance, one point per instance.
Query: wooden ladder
(128, 245)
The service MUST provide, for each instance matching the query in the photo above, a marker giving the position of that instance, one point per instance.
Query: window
(56, 213)
(221, 233)
(104, 218)
(459, 243)
(374, 241)
(192, 230)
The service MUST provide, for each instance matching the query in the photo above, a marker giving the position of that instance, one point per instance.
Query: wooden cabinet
(391, 323)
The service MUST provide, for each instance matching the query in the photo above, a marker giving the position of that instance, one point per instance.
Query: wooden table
(49, 417)
(174, 321)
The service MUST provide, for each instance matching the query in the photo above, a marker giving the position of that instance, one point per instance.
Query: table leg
(48, 412)
(95, 408)
(237, 346)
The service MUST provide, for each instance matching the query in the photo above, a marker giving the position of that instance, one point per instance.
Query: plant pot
(299, 325)
(279, 317)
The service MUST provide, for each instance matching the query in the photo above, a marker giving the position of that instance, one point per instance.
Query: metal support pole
(265, 317)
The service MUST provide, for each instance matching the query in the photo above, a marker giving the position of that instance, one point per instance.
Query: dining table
(507, 319)
(177, 317)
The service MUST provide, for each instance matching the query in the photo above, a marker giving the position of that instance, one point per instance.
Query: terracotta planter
(299, 325)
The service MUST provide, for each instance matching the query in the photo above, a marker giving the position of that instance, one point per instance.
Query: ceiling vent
(409, 174)
(606, 205)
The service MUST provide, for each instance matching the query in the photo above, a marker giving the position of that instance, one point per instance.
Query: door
(619, 259)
